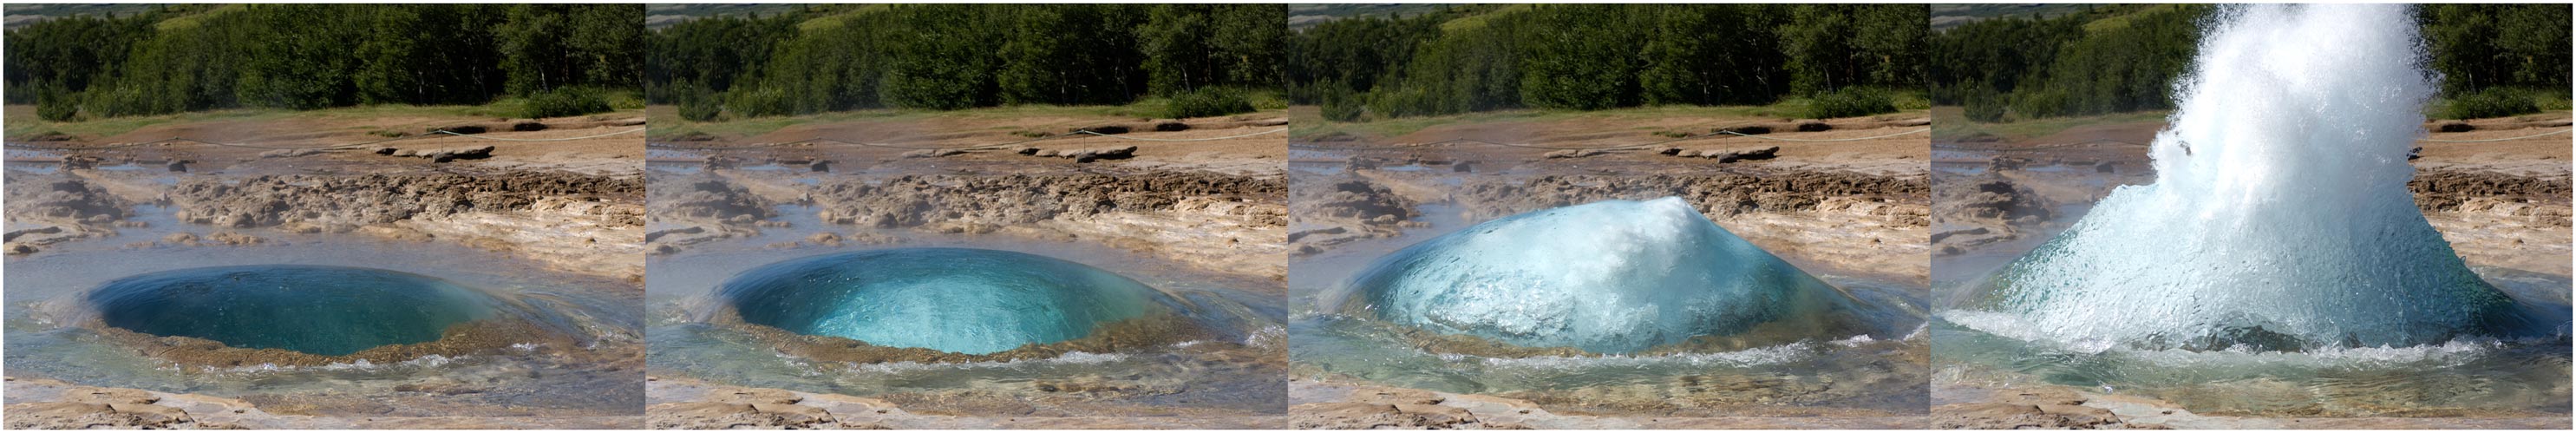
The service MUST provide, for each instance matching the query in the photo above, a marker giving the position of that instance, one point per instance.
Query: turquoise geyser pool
(951, 320)
(1611, 277)
(321, 310)
(962, 300)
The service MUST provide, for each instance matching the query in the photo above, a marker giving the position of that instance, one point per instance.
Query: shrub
(1850, 102)
(1984, 106)
(758, 101)
(1343, 106)
(57, 106)
(1208, 101)
(700, 109)
(564, 101)
(2492, 102)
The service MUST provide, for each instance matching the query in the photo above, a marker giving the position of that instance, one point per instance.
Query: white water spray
(2280, 217)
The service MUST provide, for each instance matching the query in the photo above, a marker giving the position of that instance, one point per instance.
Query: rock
(1814, 126)
(46, 230)
(1088, 155)
(181, 238)
(288, 153)
(824, 238)
(932, 153)
(1026, 150)
(1047, 153)
(2454, 126)
(460, 129)
(1362, 416)
(14, 249)
(1103, 129)
(716, 415)
(528, 126)
(658, 234)
(1171, 126)
(1463, 167)
(406, 153)
(384, 150)
(819, 166)
(2114, 166)
(1572, 153)
(470, 152)
(1744, 153)
(233, 239)
(1746, 129)
(68, 415)
(178, 166)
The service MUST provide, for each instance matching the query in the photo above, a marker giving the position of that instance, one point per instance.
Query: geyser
(1614, 276)
(2279, 218)
(320, 310)
(961, 300)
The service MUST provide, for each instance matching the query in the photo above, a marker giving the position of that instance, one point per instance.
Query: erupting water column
(2280, 217)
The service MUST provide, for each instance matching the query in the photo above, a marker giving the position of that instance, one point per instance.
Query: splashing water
(962, 300)
(1615, 276)
(2280, 217)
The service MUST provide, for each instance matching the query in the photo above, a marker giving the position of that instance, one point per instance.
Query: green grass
(666, 119)
(22, 122)
(1951, 123)
(1308, 120)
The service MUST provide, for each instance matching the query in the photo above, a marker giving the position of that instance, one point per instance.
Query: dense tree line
(2111, 59)
(950, 56)
(198, 57)
(1475, 58)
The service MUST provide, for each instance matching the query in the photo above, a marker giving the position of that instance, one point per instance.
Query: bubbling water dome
(319, 310)
(2280, 217)
(960, 300)
(1614, 276)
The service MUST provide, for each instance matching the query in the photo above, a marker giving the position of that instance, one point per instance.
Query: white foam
(2280, 202)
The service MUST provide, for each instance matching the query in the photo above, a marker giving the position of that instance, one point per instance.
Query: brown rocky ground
(1859, 205)
(1354, 406)
(682, 403)
(52, 404)
(994, 144)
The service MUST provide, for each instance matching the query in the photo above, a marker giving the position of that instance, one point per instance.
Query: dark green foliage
(199, 57)
(2491, 102)
(1476, 58)
(1984, 105)
(50, 106)
(2109, 59)
(1343, 106)
(2126, 60)
(947, 56)
(2481, 46)
(1208, 101)
(564, 101)
(1850, 102)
